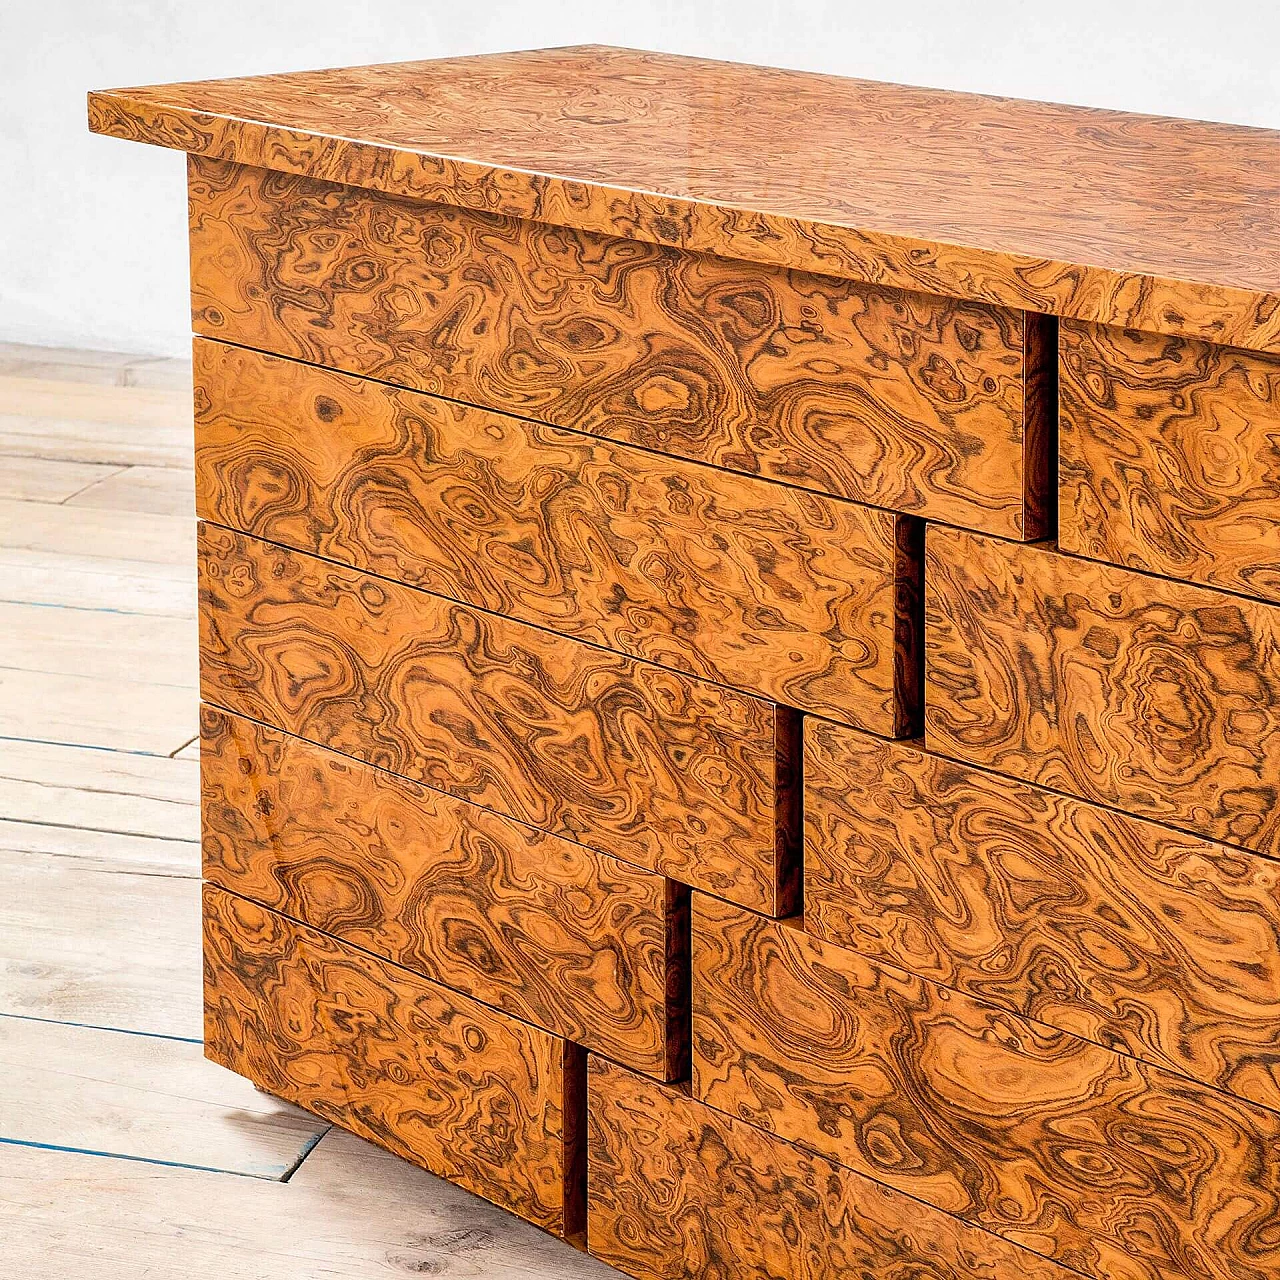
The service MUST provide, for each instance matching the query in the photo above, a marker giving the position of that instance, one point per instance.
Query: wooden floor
(124, 1153)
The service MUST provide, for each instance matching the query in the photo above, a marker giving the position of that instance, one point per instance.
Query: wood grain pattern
(670, 773)
(902, 400)
(434, 1077)
(1159, 698)
(781, 593)
(551, 932)
(1089, 1157)
(1167, 225)
(1131, 935)
(1170, 457)
(675, 1189)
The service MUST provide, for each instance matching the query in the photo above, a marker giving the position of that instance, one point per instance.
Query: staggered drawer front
(674, 774)
(1089, 1157)
(578, 943)
(678, 1189)
(481, 1099)
(1170, 457)
(1156, 697)
(787, 595)
(921, 404)
(1162, 945)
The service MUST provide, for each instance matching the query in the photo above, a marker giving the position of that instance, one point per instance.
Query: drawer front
(1134, 936)
(575, 942)
(1090, 1157)
(922, 404)
(674, 774)
(1170, 457)
(784, 594)
(1159, 698)
(675, 1189)
(400, 1061)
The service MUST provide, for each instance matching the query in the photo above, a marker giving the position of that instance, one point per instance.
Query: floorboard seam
(85, 746)
(85, 489)
(93, 1026)
(119, 1155)
(81, 608)
(307, 1148)
(98, 831)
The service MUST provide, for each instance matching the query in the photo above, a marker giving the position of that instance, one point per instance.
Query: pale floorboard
(161, 491)
(102, 368)
(81, 941)
(145, 1097)
(89, 712)
(347, 1214)
(66, 363)
(118, 444)
(99, 899)
(110, 535)
(107, 851)
(86, 402)
(96, 582)
(99, 643)
(95, 790)
(48, 479)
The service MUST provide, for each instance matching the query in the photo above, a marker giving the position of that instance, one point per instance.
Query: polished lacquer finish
(1134, 936)
(679, 1189)
(1170, 457)
(787, 595)
(922, 404)
(1167, 225)
(481, 1099)
(740, 642)
(1094, 1159)
(616, 754)
(1155, 697)
(583, 945)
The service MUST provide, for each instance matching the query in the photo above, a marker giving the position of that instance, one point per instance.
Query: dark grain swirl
(1170, 457)
(1089, 1157)
(1159, 698)
(901, 400)
(1131, 935)
(784, 594)
(436, 1078)
(677, 1190)
(671, 773)
(554, 933)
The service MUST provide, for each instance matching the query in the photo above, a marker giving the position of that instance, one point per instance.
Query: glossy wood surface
(673, 774)
(434, 1077)
(1155, 697)
(1170, 457)
(676, 1189)
(1167, 225)
(907, 401)
(1134, 936)
(577, 943)
(1101, 1162)
(780, 593)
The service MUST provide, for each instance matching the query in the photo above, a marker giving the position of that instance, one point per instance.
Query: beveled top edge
(1157, 223)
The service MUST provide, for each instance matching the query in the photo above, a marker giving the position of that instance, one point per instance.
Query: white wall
(92, 249)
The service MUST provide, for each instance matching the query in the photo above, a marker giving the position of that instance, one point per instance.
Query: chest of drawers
(738, 625)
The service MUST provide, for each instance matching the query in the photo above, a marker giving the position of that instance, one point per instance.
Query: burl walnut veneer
(583, 945)
(740, 642)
